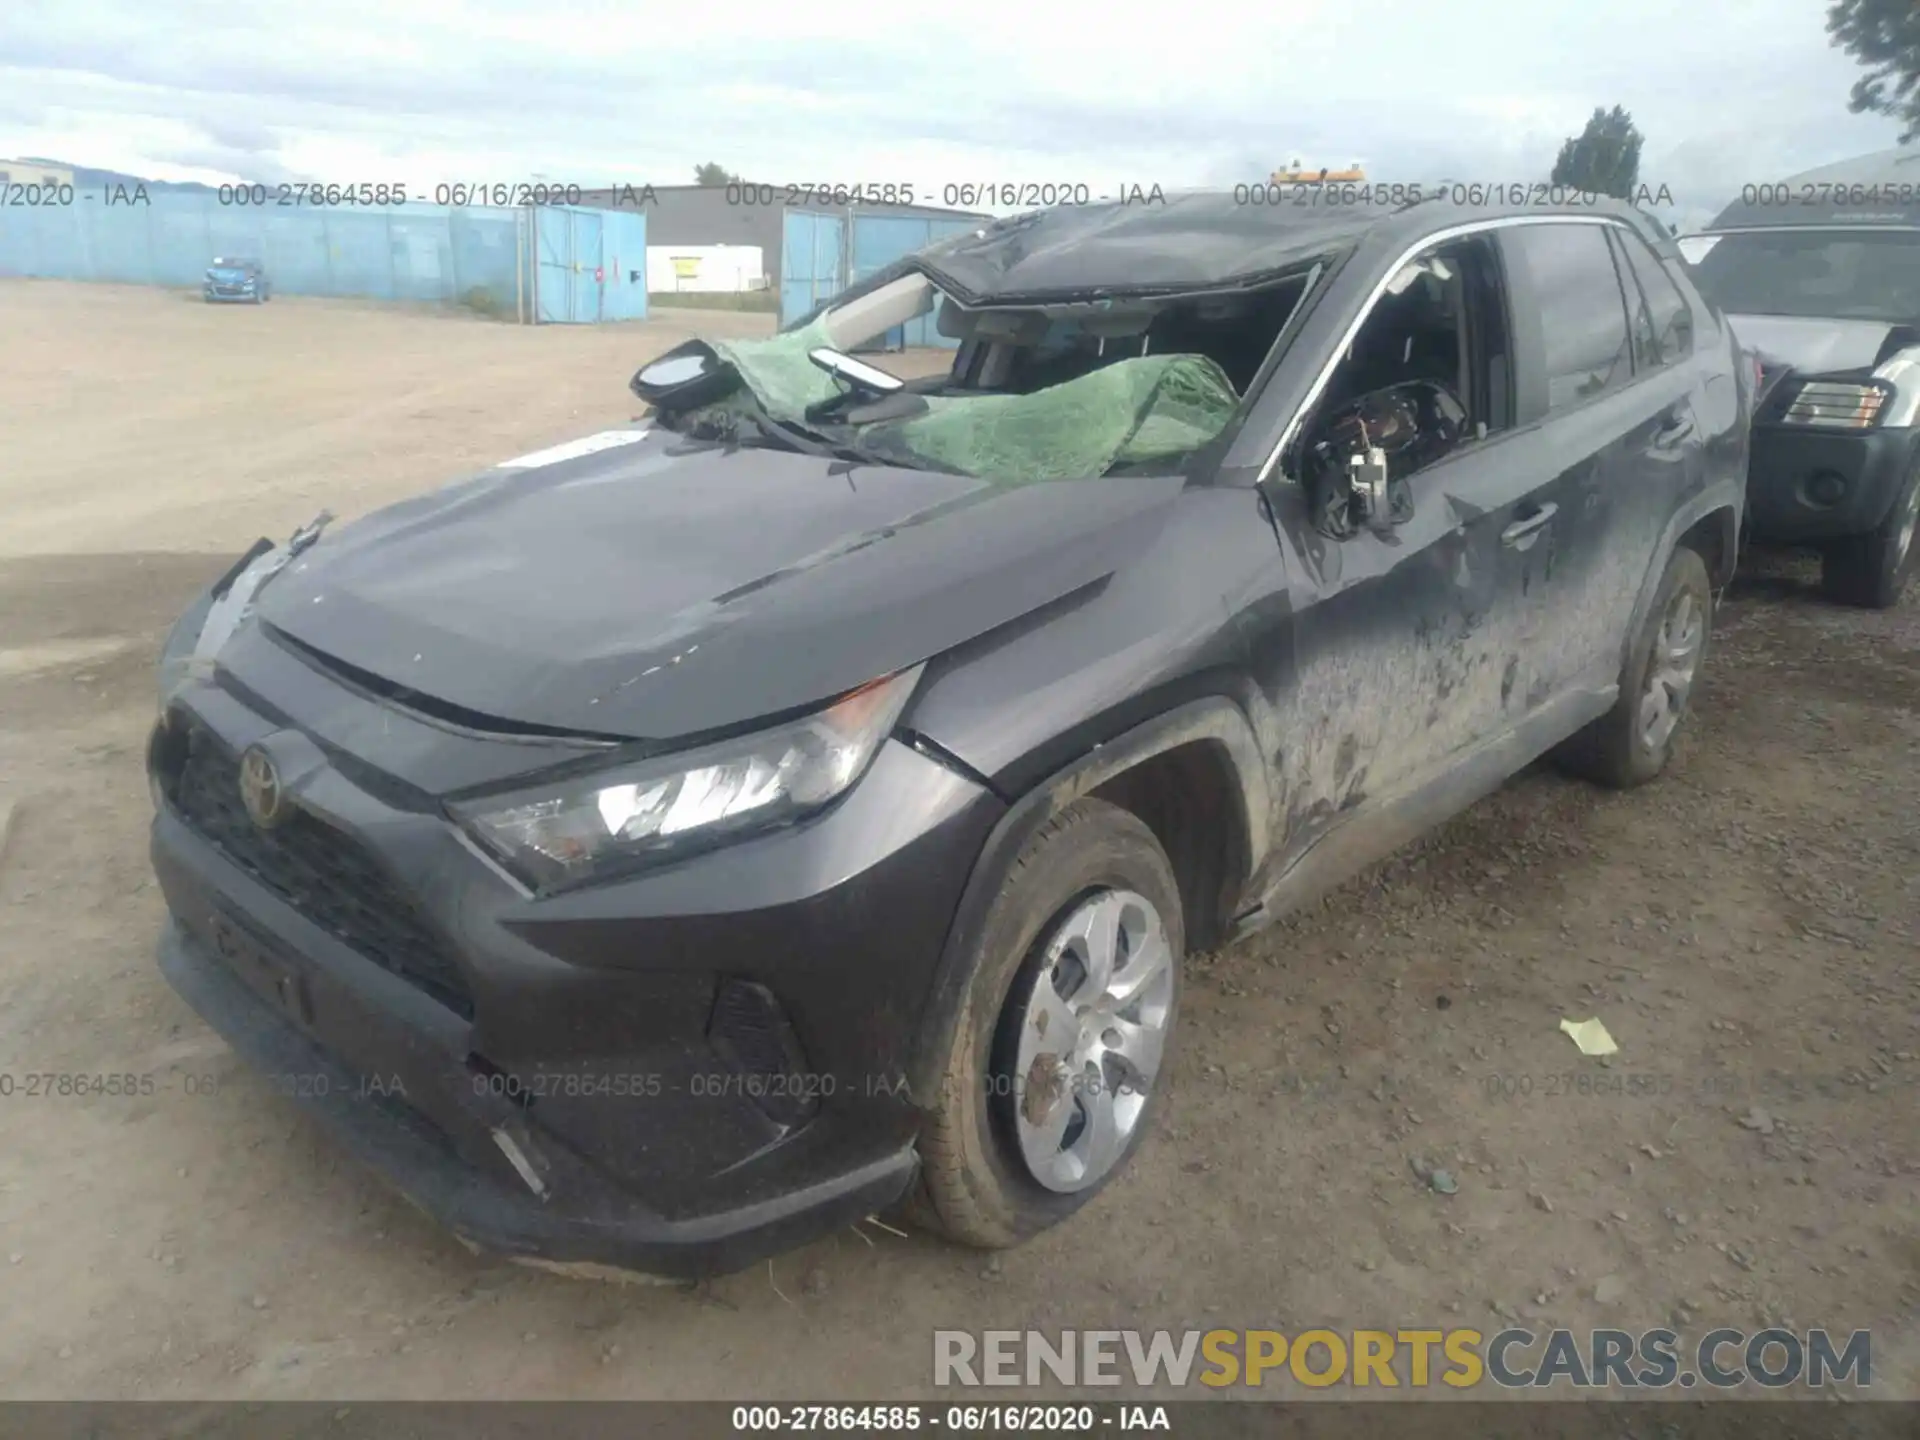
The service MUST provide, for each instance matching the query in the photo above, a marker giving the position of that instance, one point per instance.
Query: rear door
(1563, 558)
(1664, 449)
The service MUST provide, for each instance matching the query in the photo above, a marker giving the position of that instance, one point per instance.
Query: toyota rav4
(666, 847)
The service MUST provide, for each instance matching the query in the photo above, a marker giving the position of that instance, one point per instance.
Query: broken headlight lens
(1837, 404)
(572, 830)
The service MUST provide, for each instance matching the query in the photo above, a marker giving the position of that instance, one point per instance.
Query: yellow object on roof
(1297, 176)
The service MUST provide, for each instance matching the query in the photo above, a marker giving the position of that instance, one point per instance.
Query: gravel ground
(1746, 928)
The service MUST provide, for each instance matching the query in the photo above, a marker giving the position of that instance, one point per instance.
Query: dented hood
(1820, 347)
(659, 589)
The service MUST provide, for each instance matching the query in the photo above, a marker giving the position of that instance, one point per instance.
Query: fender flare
(1214, 720)
(1727, 496)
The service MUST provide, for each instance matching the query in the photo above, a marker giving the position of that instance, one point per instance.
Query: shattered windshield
(1128, 411)
(1821, 274)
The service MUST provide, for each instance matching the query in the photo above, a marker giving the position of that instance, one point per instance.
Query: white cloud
(1112, 92)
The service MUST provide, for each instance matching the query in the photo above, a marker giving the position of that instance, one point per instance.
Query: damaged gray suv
(667, 847)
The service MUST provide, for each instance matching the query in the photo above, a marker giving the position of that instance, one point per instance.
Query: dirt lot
(1747, 928)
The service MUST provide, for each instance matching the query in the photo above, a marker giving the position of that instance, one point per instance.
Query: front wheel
(1633, 741)
(1872, 570)
(1058, 1059)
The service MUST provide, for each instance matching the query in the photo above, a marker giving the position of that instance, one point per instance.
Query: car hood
(1820, 347)
(660, 589)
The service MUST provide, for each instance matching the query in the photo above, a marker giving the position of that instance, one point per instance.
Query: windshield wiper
(811, 443)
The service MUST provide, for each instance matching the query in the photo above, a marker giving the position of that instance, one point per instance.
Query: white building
(704, 268)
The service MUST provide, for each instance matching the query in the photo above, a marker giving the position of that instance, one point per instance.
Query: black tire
(974, 1187)
(1872, 570)
(1615, 750)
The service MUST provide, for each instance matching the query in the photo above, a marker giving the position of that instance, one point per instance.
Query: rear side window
(1583, 314)
(1646, 348)
(1672, 319)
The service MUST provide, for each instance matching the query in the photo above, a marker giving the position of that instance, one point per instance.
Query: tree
(1884, 36)
(1604, 159)
(712, 174)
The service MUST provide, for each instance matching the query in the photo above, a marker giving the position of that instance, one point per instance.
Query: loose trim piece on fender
(574, 449)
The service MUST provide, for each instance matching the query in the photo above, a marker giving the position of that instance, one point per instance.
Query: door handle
(1675, 426)
(1521, 529)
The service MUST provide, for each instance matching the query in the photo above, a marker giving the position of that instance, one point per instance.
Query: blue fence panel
(179, 237)
(590, 265)
(587, 270)
(414, 252)
(553, 268)
(119, 244)
(41, 241)
(420, 258)
(295, 254)
(623, 253)
(812, 261)
(362, 254)
(482, 250)
(878, 241)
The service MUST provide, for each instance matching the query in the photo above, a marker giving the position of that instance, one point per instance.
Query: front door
(1407, 642)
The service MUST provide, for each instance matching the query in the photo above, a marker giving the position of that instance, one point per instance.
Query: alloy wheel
(1092, 1034)
(1675, 660)
(1903, 537)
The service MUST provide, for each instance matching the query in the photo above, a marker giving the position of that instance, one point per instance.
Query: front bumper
(229, 293)
(596, 1222)
(1789, 462)
(568, 1087)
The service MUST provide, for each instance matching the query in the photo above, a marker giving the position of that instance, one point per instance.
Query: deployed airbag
(1131, 411)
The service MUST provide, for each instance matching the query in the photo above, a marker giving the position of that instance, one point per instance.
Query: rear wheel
(1632, 742)
(1058, 1057)
(1872, 570)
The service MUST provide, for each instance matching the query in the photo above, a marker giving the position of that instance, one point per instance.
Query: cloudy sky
(1195, 92)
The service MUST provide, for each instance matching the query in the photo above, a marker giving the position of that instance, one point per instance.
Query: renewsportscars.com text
(1416, 1359)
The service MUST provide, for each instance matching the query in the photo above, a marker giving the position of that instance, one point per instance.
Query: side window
(1671, 317)
(1427, 373)
(1582, 314)
(1646, 349)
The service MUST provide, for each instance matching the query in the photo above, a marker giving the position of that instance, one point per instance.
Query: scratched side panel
(1394, 663)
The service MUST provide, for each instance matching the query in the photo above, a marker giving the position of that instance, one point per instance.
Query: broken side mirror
(684, 378)
(1368, 492)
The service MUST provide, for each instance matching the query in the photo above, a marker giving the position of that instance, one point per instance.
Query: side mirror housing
(684, 378)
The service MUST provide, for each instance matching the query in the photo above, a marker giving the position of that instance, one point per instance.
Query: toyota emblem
(260, 792)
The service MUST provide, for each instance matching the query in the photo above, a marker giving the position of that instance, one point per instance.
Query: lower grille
(750, 1031)
(325, 874)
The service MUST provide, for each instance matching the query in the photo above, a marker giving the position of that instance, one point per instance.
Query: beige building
(34, 172)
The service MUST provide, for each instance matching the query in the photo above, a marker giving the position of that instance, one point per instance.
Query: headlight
(619, 820)
(176, 654)
(1838, 404)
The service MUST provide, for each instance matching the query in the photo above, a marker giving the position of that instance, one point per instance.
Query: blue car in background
(242, 280)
